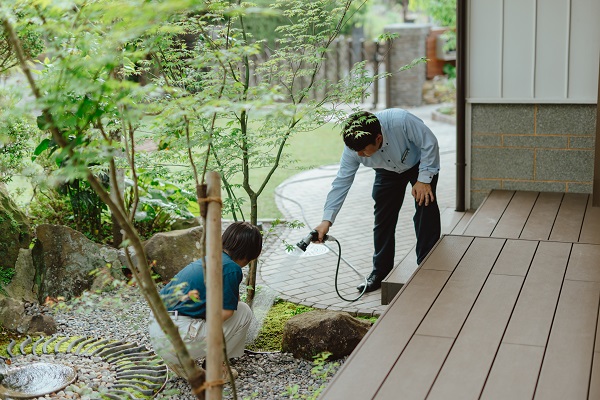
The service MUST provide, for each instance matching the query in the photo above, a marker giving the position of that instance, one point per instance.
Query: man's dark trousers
(388, 192)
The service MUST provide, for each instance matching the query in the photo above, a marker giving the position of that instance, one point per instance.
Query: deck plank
(515, 258)
(584, 264)
(590, 231)
(515, 216)
(514, 373)
(542, 217)
(489, 213)
(566, 367)
(451, 250)
(532, 317)
(450, 218)
(450, 310)
(595, 378)
(465, 371)
(567, 226)
(416, 369)
(459, 228)
(362, 374)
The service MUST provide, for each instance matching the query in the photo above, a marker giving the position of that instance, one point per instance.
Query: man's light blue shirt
(406, 142)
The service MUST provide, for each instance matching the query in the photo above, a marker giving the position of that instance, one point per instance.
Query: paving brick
(572, 165)
(502, 163)
(579, 187)
(486, 140)
(541, 142)
(575, 119)
(503, 118)
(581, 142)
(486, 184)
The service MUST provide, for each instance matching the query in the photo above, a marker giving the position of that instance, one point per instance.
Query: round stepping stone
(35, 379)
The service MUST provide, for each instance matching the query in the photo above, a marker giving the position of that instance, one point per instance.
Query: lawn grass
(322, 146)
(310, 150)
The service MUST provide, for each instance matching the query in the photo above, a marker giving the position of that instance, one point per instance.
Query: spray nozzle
(313, 236)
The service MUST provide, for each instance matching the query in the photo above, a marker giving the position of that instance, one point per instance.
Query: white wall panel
(519, 48)
(584, 48)
(552, 49)
(485, 49)
(542, 51)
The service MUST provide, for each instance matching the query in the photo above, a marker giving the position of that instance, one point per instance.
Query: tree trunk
(116, 226)
(253, 266)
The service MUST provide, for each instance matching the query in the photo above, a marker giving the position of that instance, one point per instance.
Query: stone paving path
(309, 279)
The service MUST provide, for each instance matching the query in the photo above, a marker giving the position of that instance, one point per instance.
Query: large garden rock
(13, 317)
(14, 231)
(170, 252)
(309, 334)
(22, 285)
(186, 223)
(42, 324)
(64, 259)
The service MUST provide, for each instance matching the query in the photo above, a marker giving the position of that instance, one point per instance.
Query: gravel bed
(123, 315)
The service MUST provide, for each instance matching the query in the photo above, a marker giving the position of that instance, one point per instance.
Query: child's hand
(194, 295)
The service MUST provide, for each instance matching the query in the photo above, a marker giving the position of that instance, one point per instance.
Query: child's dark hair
(360, 130)
(242, 240)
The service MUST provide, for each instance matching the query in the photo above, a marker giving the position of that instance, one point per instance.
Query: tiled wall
(542, 147)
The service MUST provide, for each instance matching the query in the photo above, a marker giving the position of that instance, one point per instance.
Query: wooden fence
(343, 54)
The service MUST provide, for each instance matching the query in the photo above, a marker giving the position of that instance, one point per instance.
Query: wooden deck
(453, 222)
(507, 310)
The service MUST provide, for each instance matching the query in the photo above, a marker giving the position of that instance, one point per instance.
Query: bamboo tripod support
(214, 287)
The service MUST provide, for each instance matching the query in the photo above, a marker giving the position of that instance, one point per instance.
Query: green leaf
(42, 123)
(414, 63)
(43, 146)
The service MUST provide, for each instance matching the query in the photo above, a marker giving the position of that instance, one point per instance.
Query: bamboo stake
(214, 288)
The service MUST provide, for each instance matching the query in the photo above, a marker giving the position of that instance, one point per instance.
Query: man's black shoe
(373, 283)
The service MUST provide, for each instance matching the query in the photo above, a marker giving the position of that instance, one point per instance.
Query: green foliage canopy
(443, 12)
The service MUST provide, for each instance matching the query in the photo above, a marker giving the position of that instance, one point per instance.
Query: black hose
(337, 270)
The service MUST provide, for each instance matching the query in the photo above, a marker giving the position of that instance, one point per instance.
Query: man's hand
(322, 230)
(422, 193)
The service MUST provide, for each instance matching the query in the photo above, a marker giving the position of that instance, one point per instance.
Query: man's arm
(339, 190)
(418, 133)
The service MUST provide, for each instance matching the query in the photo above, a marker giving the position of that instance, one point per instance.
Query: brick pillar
(406, 87)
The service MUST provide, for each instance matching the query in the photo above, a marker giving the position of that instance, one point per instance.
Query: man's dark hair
(242, 240)
(360, 130)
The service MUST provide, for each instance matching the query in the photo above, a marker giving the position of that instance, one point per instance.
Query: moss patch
(5, 338)
(270, 336)
(271, 333)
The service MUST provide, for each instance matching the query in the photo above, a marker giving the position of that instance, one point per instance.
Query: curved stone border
(441, 117)
(138, 369)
